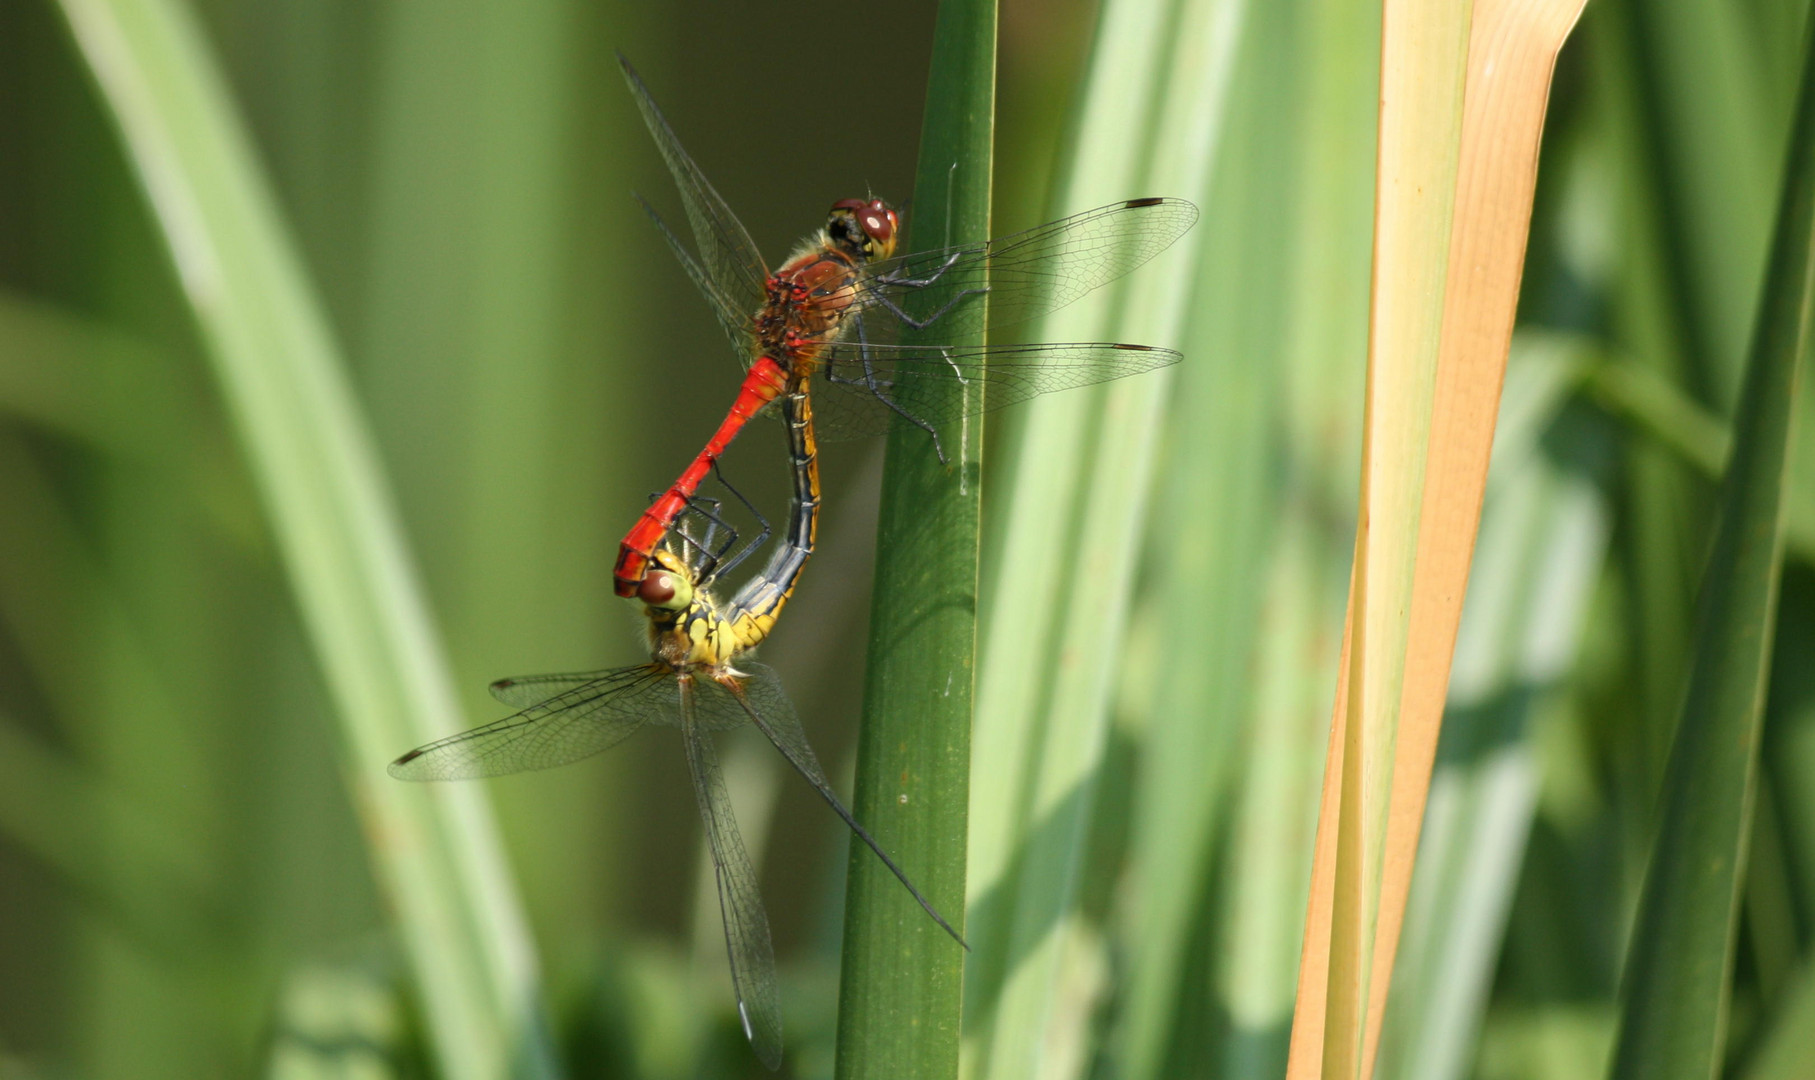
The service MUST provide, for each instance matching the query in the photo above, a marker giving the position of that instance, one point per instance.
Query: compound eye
(878, 220)
(657, 589)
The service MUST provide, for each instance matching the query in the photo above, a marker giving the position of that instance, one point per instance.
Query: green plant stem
(902, 976)
(1679, 970)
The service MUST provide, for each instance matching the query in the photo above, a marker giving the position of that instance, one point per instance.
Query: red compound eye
(875, 217)
(879, 221)
(656, 589)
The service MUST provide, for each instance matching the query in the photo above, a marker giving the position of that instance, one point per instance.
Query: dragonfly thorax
(695, 636)
(808, 299)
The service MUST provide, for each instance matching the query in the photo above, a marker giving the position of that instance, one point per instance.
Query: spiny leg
(703, 552)
(870, 383)
(921, 324)
(761, 538)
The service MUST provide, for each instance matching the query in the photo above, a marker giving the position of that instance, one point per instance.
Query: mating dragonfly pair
(826, 330)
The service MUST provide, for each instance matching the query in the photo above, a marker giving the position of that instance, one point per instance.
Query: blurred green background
(184, 886)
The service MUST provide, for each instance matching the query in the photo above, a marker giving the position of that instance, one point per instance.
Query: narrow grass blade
(1663, 412)
(1789, 1042)
(1423, 50)
(69, 376)
(1258, 542)
(1080, 477)
(154, 882)
(53, 365)
(1679, 968)
(1664, 510)
(434, 850)
(1653, 404)
(143, 853)
(1702, 73)
(902, 976)
(1543, 543)
(513, 463)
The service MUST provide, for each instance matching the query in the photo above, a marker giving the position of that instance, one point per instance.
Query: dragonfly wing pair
(564, 718)
(734, 273)
(842, 307)
(1024, 275)
(569, 717)
(747, 942)
(865, 389)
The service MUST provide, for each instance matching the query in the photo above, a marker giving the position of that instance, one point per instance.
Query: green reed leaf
(902, 976)
(1679, 970)
(433, 850)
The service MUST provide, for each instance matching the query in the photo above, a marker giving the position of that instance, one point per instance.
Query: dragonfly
(841, 305)
(699, 680)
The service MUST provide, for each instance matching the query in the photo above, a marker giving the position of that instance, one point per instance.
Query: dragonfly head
(667, 586)
(864, 229)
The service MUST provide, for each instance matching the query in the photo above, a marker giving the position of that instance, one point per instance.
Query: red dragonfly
(839, 306)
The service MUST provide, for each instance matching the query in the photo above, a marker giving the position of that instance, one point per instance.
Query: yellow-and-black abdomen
(751, 614)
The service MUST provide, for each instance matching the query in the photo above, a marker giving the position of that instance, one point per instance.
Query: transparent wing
(736, 324)
(862, 387)
(760, 695)
(581, 716)
(740, 904)
(522, 691)
(1025, 275)
(726, 252)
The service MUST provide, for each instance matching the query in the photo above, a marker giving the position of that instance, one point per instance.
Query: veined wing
(740, 904)
(555, 692)
(861, 389)
(1025, 274)
(522, 691)
(735, 323)
(760, 695)
(578, 717)
(726, 252)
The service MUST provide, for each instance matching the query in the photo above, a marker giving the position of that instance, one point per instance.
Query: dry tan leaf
(1432, 397)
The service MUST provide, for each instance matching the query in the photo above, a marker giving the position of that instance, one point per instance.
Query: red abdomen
(762, 383)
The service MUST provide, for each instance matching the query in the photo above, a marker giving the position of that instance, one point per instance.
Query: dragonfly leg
(874, 386)
(762, 537)
(776, 720)
(923, 282)
(957, 373)
(705, 551)
(696, 551)
(921, 324)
